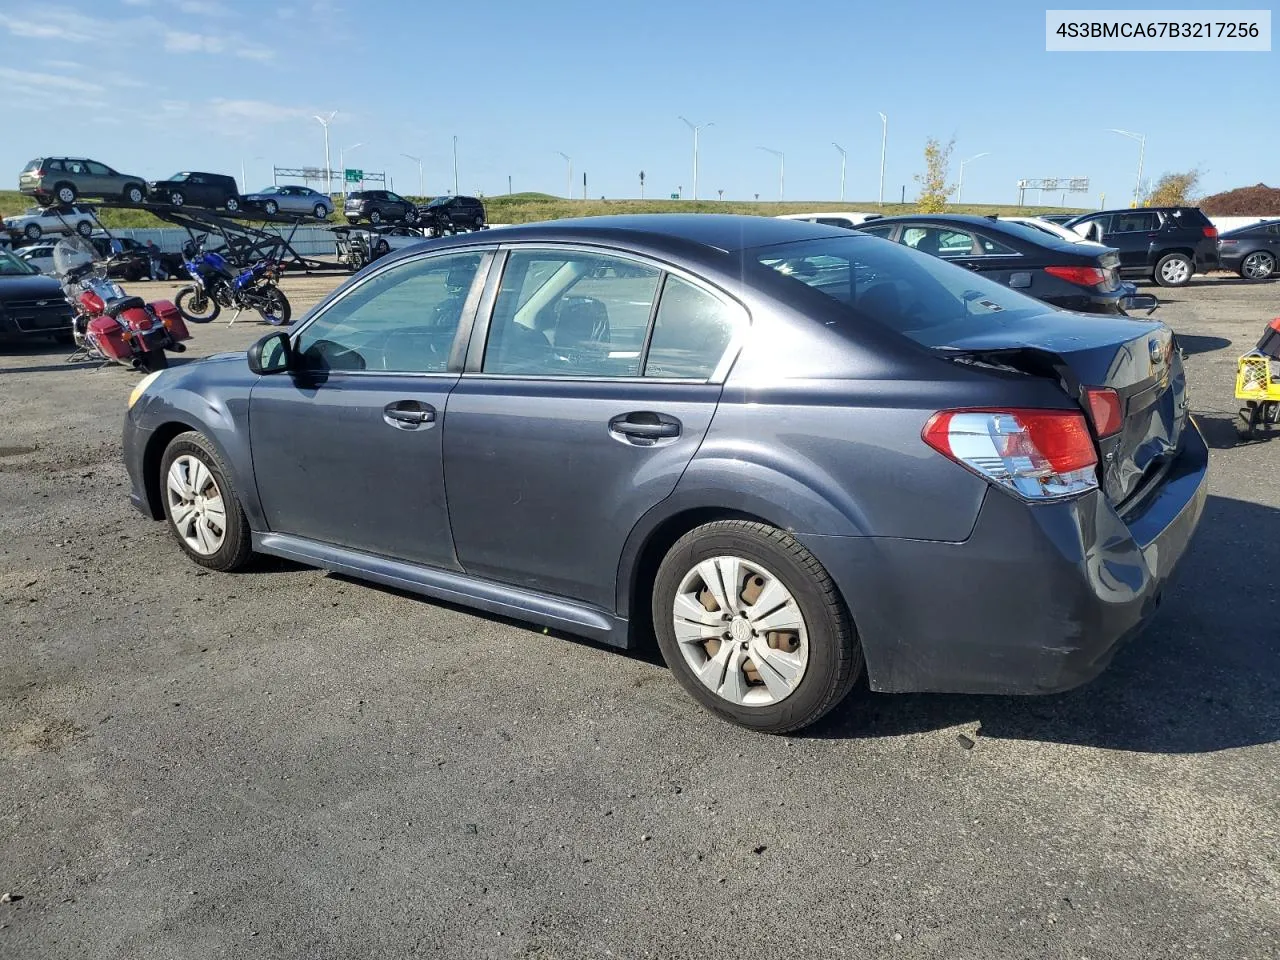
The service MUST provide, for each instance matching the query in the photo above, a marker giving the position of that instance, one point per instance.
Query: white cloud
(255, 111)
(10, 78)
(69, 27)
(208, 8)
(180, 41)
(137, 3)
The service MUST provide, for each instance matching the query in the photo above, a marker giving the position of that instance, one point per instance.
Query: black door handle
(408, 414)
(644, 429)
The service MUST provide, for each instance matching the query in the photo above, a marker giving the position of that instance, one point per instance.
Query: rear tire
(153, 360)
(829, 652)
(196, 305)
(375, 217)
(233, 205)
(64, 193)
(1174, 270)
(277, 310)
(320, 212)
(234, 548)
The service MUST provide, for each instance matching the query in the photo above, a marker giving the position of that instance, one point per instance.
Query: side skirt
(548, 611)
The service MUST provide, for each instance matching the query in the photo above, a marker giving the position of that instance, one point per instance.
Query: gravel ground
(288, 764)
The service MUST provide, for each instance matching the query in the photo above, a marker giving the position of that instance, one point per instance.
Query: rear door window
(1135, 221)
(943, 242)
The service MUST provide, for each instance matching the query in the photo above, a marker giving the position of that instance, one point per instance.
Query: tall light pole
(342, 162)
(960, 184)
(418, 161)
(843, 157)
(243, 185)
(782, 171)
(884, 143)
(569, 176)
(328, 169)
(455, 165)
(1142, 149)
(695, 128)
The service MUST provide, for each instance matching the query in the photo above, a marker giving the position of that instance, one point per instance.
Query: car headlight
(141, 388)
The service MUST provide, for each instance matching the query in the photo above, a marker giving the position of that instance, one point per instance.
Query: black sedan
(1073, 276)
(1251, 251)
(792, 451)
(31, 304)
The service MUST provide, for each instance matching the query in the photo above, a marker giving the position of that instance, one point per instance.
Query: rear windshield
(929, 300)
(33, 165)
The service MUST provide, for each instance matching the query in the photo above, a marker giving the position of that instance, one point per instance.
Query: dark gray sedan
(791, 452)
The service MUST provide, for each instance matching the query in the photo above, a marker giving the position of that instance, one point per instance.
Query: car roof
(725, 232)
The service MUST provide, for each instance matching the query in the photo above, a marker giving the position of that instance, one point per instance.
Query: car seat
(580, 322)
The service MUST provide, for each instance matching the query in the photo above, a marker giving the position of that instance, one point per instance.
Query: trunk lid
(1137, 359)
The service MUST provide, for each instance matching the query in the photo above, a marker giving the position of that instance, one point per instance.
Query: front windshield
(929, 300)
(266, 190)
(178, 177)
(11, 266)
(439, 202)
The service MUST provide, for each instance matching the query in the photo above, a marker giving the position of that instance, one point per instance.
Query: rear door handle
(644, 429)
(408, 414)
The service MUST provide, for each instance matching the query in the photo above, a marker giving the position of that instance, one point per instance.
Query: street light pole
(244, 188)
(884, 143)
(418, 161)
(328, 168)
(960, 184)
(782, 171)
(695, 128)
(455, 165)
(1142, 149)
(342, 162)
(569, 176)
(843, 157)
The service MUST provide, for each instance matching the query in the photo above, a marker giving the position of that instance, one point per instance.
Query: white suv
(38, 221)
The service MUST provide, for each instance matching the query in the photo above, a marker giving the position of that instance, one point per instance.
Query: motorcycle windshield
(72, 253)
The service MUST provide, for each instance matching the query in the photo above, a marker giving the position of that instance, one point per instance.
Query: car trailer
(248, 236)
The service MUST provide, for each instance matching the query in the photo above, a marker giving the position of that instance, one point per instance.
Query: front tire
(271, 208)
(134, 193)
(32, 231)
(84, 228)
(753, 627)
(1259, 265)
(196, 305)
(176, 199)
(201, 506)
(1174, 270)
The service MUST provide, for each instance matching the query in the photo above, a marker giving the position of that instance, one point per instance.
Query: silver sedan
(291, 199)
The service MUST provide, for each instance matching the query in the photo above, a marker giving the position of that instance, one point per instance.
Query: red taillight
(1038, 454)
(1083, 276)
(1104, 407)
(1210, 232)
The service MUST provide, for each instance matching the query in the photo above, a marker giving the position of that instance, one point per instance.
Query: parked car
(64, 179)
(461, 212)
(31, 304)
(790, 450)
(289, 198)
(38, 221)
(1251, 251)
(194, 189)
(38, 255)
(1051, 227)
(1165, 244)
(846, 219)
(1058, 217)
(1073, 276)
(358, 246)
(378, 206)
(126, 260)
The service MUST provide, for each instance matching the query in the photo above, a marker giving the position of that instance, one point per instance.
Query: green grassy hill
(528, 207)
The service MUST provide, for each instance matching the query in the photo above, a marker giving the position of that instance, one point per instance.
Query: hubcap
(1258, 266)
(196, 506)
(740, 631)
(1175, 271)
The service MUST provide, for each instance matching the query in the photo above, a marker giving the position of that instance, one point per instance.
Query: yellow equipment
(1258, 383)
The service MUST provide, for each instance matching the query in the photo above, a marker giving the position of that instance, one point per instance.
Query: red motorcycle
(108, 324)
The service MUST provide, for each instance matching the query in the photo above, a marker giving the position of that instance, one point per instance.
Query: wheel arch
(152, 454)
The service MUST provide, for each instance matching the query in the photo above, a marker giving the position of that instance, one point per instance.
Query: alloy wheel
(741, 631)
(196, 505)
(1176, 271)
(1258, 265)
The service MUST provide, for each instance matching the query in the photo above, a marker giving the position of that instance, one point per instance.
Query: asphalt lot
(287, 764)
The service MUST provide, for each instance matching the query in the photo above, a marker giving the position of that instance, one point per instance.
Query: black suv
(193, 189)
(378, 206)
(466, 213)
(1164, 244)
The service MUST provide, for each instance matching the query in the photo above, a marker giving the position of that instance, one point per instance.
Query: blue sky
(155, 86)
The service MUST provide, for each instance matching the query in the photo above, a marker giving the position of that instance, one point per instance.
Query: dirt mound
(1256, 201)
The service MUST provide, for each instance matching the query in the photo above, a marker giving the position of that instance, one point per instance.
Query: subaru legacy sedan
(792, 452)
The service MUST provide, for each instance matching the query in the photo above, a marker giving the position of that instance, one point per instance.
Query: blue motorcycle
(216, 286)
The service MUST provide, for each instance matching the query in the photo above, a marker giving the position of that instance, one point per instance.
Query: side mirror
(272, 354)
